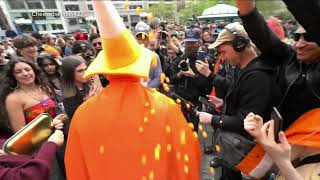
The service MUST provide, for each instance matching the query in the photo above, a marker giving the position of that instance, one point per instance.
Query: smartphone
(278, 122)
(204, 101)
(201, 56)
(95, 81)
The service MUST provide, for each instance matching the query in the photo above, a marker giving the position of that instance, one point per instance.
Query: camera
(88, 56)
(163, 31)
(184, 65)
(163, 35)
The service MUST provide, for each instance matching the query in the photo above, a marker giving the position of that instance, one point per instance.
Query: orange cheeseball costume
(128, 131)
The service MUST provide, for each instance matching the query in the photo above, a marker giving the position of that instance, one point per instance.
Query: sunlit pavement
(206, 158)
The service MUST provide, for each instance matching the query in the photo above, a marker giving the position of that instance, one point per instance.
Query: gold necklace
(37, 95)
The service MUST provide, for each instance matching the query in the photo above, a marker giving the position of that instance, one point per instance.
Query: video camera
(163, 32)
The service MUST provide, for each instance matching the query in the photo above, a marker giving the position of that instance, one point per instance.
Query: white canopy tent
(219, 11)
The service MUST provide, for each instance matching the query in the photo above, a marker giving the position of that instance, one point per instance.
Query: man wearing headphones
(251, 89)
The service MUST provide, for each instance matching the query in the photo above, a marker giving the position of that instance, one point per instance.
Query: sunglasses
(306, 37)
(96, 44)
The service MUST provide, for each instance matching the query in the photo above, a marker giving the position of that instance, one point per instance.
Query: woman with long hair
(25, 95)
(75, 89)
(50, 67)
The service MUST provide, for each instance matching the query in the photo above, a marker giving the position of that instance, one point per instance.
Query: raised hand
(216, 101)
(245, 6)
(203, 67)
(253, 124)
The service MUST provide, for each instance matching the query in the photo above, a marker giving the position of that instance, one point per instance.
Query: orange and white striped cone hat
(121, 54)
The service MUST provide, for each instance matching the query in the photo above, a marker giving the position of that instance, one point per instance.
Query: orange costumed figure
(128, 131)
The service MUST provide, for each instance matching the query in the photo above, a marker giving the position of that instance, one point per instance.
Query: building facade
(67, 16)
(27, 16)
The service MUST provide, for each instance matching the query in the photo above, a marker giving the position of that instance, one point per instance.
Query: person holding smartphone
(299, 66)
(250, 89)
(75, 89)
(188, 82)
(280, 152)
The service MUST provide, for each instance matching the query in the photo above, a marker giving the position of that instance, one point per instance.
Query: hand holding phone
(208, 106)
(201, 56)
(278, 121)
(95, 81)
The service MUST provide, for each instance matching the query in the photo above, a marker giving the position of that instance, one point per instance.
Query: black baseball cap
(192, 35)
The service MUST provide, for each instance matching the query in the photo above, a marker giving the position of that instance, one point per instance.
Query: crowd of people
(244, 70)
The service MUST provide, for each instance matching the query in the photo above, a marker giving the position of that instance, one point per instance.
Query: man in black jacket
(188, 82)
(299, 69)
(252, 88)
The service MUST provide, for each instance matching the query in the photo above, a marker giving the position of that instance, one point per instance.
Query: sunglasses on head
(306, 37)
(97, 43)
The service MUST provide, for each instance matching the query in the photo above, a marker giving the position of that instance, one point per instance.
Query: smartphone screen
(95, 81)
(278, 121)
(201, 55)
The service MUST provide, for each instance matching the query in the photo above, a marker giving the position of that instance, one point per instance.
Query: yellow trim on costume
(124, 48)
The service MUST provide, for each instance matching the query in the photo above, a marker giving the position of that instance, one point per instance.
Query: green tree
(274, 8)
(185, 12)
(163, 11)
(268, 8)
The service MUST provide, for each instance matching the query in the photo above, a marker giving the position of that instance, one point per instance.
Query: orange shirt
(131, 132)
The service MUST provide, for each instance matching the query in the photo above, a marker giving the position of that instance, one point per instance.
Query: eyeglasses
(97, 43)
(306, 37)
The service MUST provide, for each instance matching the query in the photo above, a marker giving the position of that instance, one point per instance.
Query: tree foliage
(162, 10)
(274, 8)
(268, 8)
(168, 11)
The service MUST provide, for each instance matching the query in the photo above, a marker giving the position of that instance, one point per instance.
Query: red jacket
(22, 167)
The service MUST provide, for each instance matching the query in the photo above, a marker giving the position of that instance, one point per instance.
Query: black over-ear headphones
(239, 42)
